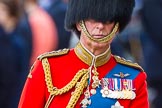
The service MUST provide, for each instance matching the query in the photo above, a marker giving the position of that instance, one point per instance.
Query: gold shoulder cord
(78, 91)
(128, 63)
(84, 73)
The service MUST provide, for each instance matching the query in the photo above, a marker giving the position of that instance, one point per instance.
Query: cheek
(90, 27)
(108, 30)
(92, 30)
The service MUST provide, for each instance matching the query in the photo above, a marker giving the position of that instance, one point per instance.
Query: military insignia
(117, 88)
(133, 95)
(128, 63)
(122, 75)
(93, 91)
(105, 92)
(96, 82)
(86, 101)
(117, 105)
(53, 53)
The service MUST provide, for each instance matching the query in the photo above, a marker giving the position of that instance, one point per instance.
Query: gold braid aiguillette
(82, 74)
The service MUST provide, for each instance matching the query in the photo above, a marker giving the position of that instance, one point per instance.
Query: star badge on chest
(117, 105)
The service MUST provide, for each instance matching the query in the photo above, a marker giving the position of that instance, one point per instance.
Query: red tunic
(63, 69)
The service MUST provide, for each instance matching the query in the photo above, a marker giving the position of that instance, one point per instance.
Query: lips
(98, 36)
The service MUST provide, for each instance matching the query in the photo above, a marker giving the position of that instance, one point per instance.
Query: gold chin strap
(101, 40)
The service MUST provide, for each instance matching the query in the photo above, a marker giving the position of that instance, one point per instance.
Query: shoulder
(53, 54)
(128, 63)
(38, 64)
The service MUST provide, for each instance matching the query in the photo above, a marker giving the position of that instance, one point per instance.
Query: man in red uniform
(88, 76)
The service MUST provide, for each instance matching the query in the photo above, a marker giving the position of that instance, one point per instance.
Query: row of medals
(110, 88)
(126, 93)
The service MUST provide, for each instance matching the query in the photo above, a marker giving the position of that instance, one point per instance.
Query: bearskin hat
(99, 10)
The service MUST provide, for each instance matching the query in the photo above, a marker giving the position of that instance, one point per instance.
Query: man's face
(97, 30)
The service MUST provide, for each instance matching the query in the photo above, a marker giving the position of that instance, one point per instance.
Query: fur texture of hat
(99, 10)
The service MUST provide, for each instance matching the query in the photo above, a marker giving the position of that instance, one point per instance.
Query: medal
(105, 92)
(86, 101)
(93, 91)
(117, 88)
(133, 95)
(96, 82)
(115, 94)
(125, 94)
(129, 94)
(119, 95)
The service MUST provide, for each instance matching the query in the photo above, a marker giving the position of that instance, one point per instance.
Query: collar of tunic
(90, 59)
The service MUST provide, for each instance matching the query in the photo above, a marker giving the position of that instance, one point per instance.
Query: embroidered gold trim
(74, 82)
(127, 62)
(86, 57)
(53, 53)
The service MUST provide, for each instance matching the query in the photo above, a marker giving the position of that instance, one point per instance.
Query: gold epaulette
(128, 63)
(53, 53)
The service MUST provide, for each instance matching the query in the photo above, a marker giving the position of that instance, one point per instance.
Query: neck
(95, 48)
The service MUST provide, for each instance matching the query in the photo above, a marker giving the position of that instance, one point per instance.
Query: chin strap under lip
(101, 40)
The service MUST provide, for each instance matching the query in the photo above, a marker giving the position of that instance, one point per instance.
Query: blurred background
(29, 28)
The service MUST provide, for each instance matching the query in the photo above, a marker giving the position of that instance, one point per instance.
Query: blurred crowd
(141, 42)
(29, 28)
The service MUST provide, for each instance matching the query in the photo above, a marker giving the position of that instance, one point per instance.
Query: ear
(78, 27)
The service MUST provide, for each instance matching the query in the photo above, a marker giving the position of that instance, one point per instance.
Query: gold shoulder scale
(53, 53)
(128, 62)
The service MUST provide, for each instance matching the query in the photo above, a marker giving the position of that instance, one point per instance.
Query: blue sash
(97, 101)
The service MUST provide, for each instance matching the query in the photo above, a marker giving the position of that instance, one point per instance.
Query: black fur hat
(99, 10)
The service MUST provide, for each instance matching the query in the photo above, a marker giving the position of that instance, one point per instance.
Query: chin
(98, 45)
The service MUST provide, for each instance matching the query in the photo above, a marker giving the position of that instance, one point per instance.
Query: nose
(99, 25)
